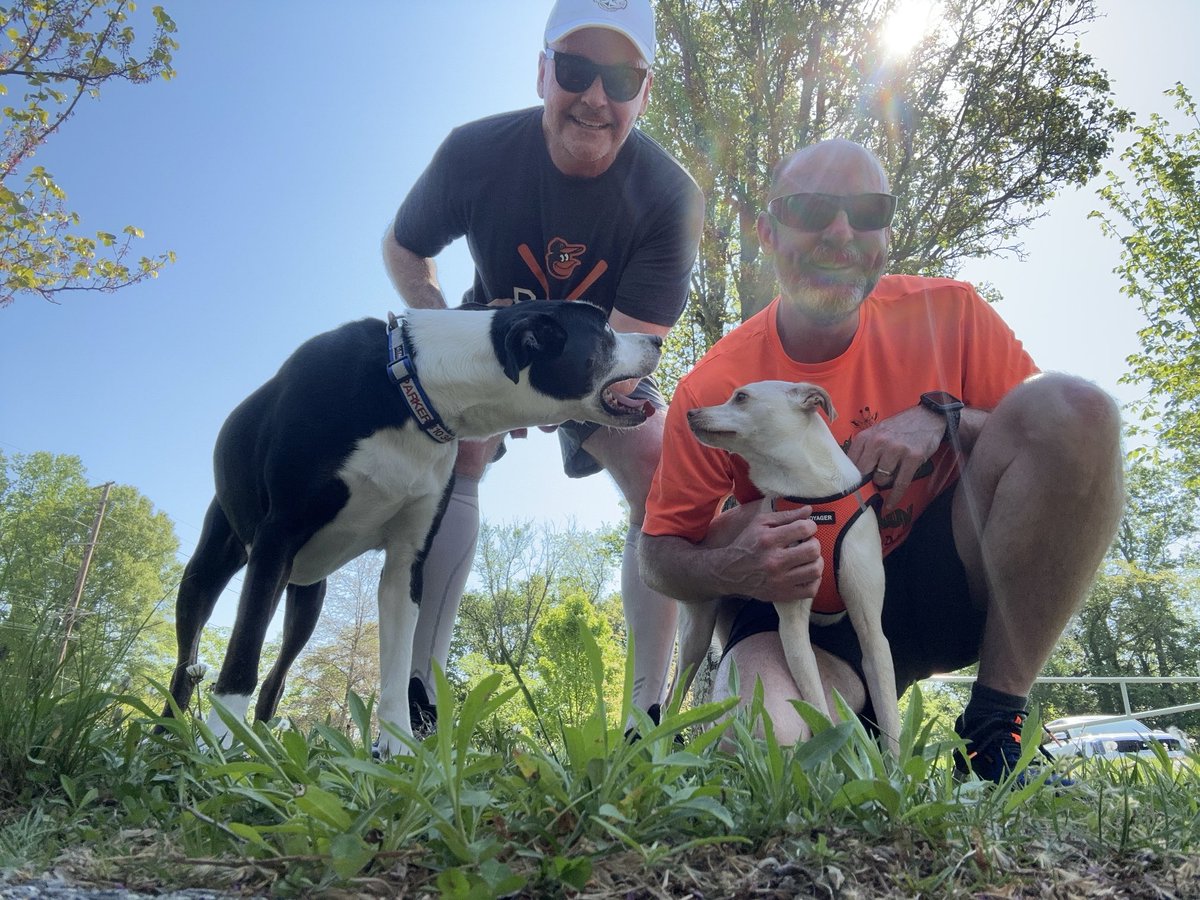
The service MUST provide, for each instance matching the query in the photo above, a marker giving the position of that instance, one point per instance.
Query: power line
(83, 570)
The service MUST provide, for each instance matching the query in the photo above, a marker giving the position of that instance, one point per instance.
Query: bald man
(1002, 486)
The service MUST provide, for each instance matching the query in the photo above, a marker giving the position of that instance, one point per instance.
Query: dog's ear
(810, 396)
(530, 336)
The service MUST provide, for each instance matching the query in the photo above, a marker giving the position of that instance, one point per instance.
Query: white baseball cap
(632, 18)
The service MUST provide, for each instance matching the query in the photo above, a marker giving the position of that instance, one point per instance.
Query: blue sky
(273, 163)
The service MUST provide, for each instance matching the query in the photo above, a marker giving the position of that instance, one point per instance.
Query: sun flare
(908, 23)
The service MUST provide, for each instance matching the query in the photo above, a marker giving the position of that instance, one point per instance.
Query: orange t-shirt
(914, 335)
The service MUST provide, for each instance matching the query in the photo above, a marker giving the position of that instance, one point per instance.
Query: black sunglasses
(578, 73)
(816, 212)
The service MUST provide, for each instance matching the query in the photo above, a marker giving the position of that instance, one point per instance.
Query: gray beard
(828, 305)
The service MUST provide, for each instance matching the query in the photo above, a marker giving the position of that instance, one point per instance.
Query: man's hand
(895, 448)
(768, 555)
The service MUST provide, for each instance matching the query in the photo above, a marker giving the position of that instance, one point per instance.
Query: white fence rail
(1122, 680)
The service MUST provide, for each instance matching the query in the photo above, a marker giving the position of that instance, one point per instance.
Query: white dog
(775, 427)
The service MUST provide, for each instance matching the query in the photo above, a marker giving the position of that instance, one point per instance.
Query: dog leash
(404, 376)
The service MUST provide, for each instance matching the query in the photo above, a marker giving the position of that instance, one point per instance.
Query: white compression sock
(446, 570)
(651, 619)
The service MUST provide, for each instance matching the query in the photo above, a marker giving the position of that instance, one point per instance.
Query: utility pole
(81, 578)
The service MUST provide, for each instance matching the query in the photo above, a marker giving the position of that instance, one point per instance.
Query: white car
(1107, 737)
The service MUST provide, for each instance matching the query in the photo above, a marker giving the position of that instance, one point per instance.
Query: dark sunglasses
(816, 212)
(578, 73)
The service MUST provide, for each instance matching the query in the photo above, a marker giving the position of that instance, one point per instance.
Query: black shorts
(927, 613)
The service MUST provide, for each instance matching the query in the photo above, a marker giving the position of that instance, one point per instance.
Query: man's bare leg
(1034, 514)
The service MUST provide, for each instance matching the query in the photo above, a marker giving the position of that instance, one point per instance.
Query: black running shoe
(421, 712)
(655, 714)
(994, 749)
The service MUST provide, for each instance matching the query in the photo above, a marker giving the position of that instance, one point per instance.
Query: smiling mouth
(590, 126)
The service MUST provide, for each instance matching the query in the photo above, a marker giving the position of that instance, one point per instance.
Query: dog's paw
(387, 746)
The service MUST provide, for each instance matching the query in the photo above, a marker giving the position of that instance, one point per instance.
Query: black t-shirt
(624, 240)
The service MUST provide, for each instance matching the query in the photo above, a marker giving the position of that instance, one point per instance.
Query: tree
(343, 653)
(565, 692)
(57, 692)
(977, 126)
(59, 52)
(46, 510)
(1157, 220)
(534, 579)
(1142, 617)
(523, 571)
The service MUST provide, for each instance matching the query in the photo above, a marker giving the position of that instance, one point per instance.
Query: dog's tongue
(645, 406)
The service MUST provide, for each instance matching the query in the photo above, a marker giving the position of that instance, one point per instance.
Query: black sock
(987, 702)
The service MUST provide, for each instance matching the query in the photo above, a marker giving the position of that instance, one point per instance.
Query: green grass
(589, 812)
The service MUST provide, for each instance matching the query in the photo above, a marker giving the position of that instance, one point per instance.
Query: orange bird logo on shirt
(563, 258)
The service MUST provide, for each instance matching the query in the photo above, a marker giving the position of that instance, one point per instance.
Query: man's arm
(628, 325)
(413, 276)
(749, 551)
(903, 443)
(618, 321)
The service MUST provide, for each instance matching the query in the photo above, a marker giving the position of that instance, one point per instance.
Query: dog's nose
(657, 341)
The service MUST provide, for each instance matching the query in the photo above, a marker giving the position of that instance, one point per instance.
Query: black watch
(945, 404)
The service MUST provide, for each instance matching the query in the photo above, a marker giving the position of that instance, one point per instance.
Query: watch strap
(945, 404)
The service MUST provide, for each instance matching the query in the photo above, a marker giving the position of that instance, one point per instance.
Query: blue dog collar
(404, 375)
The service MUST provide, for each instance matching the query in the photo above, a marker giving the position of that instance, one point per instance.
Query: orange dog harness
(834, 515)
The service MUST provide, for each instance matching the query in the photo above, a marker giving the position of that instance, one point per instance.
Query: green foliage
(1142, 616)
(57, 692)
(47, 508)
(52, 56)
(978, 125)
(303, 814)
(564, 638)
(524, 573)
(1156, 217)
(342, 656)
(55, 715)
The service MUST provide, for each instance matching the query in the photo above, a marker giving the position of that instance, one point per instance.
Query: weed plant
(59, 710)
(590, 811)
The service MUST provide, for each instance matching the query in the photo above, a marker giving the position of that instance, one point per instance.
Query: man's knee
(760, 658)
(1058, 408)
(630, 456)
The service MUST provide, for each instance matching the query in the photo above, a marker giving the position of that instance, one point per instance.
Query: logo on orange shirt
(866, 418)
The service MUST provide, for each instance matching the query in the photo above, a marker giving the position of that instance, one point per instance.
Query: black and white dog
(350, 447)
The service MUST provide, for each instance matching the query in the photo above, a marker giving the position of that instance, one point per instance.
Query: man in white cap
(563, 201)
